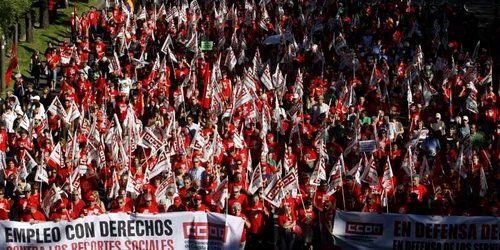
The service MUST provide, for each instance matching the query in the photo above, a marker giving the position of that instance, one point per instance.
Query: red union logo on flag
(151, 140)
(205, 231)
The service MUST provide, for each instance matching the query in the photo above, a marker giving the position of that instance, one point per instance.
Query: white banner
(168, 231)
(353, 230)
(367, 146)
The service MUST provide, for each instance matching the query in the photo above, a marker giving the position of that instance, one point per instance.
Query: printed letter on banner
(366, 231)
(179, 230)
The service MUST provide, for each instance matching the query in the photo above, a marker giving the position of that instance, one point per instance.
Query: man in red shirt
(32, 215)
(256, 213)
(370, 206)
(120, 206)
(93, 17)
(148, 207)
(417, 188)
(99, 49)
(60, 213)
(237, 196)
(198, 205)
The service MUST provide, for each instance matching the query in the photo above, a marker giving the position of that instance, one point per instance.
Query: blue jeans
(53, 75)
(287, 238)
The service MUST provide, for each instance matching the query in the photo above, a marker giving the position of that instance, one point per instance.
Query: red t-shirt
(420, 190)
(93, 210)
(244, 233)
(255, 214)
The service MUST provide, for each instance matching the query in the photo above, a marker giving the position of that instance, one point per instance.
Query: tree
(11, 11)
(29, 27)
(44, 14)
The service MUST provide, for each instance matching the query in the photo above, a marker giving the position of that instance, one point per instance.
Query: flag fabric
(220, 193)
(131, 185)
(128, 6)
(291, 180)
(370, 174)
(387, 182)
(13, 63)
(115, 185)
(335, 178)
(29, 163)
(482, 182)
(52, 196)
(56, 107)
(230, 59)
(266, 78)
(273, 193)
(407, 163)
(41, 174)
(74, 180)
(256, 182)
(319, 172)
(56, 157)
(471, 103)
(150, 140)
(165, 185)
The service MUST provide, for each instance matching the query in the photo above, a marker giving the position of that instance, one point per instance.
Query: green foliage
(10, 11)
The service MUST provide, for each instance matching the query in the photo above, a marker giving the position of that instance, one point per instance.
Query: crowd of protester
(376, 106)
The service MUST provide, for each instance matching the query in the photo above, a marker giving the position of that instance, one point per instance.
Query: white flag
(273, 191)
(51, 197)
(256, 181)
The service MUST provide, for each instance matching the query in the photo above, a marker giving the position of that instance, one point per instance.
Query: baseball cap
(197, 197)
(177, 201)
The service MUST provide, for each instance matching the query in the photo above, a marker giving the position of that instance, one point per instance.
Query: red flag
(206, 99)
(13, 62)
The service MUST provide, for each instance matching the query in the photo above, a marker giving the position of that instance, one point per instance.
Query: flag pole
(343, 193)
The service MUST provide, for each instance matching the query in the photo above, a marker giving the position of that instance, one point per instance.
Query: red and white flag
(242, 96)
(273, 192)
(74, 180)
(41, 174)
(387, 182)
(115, 185)
(165, 185)
(192, 44)
(114, 66)
(482, 182)
(335, 180)
(319, 172)
(291, 180)
(220, 193)
(132, 185)
(256, 181)
(149, 140)
(56, 157)
(230, 59)
(56, 107)
(266, 78)
(52, 196)
(370, 174)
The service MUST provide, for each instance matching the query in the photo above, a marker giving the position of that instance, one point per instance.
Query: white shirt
(319, 109)
(9, 119)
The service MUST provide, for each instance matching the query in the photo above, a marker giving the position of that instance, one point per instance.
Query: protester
(376, 107)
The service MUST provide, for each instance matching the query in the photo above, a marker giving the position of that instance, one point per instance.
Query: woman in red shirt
(287, 222)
